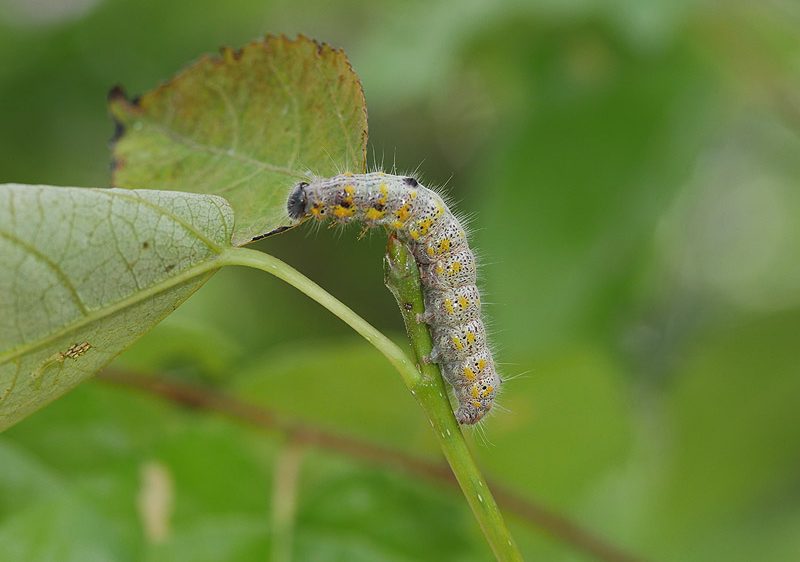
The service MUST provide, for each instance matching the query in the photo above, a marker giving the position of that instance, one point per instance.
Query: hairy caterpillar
(420, 218)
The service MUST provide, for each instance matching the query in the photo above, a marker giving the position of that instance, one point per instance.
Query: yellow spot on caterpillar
(403, 213)
(374, 214)
(348, 174)
(489, 389)
(317, 209)
(424, 225)
(414, 233)
(476, 404)
(430, 251)
(444, 245)
(455, 267)
(463, 302)
(343, 212)
(413, 193)
(457, 343)
(474, 391)
(470, 337)
(349, 191)
(481, 364)
(439, 268)
(448, 306)
(469, 374)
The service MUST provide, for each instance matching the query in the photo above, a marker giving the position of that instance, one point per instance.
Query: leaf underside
(86, 272)
(246, 125)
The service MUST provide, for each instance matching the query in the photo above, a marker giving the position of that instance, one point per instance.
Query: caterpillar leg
(426, 317)
(433, 357)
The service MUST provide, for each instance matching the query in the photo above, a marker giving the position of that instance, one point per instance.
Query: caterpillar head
(298, 199)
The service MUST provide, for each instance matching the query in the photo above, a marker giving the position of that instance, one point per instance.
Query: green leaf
(245, 125)
(86, 272)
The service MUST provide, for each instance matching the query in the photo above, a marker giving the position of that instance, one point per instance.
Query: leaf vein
(121, 193)
(101, 313)
(196, 145)
(54, 267)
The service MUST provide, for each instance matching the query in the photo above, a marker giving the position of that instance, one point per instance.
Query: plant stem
(281, 270)
(423, 380)
(402, 279)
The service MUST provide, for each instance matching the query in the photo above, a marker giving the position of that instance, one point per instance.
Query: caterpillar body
(419, 217)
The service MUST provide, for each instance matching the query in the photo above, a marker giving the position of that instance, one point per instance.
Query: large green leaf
(246, 125)
(86, 272)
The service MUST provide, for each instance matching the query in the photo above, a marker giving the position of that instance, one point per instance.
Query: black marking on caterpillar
(419, 217)
(270, 233)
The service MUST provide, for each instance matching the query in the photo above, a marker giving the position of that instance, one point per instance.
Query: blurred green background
(632, 169)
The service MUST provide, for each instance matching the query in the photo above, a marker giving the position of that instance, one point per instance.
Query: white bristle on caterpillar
(419, 217)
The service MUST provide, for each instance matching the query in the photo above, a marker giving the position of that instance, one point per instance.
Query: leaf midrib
(187, 275)
(221, 151)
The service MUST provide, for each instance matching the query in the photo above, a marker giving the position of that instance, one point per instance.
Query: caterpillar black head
(296, 204)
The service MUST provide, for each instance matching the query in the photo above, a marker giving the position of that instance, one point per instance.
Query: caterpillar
(419, 217)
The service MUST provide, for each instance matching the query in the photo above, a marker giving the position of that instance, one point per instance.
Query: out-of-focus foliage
(633, 173)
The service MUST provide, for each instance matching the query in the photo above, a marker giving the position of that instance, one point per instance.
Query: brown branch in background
(528, 511)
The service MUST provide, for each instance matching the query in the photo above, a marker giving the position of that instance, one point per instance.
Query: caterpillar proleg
(420, 218)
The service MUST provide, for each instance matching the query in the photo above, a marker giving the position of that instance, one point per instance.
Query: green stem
(402, 279)
(423, 379)
(281, 270)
